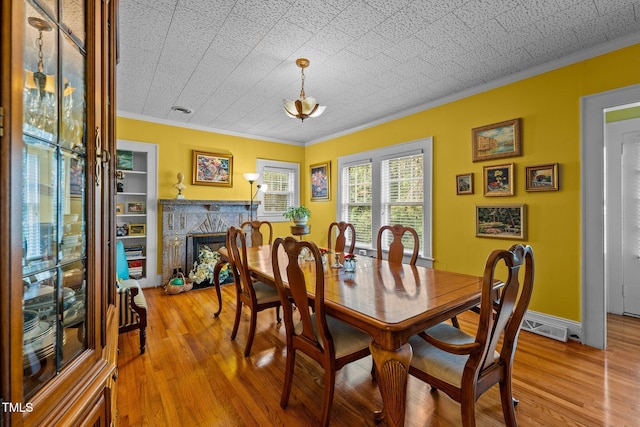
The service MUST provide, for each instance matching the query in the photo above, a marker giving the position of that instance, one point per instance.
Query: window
(283, 188)
(387, 186)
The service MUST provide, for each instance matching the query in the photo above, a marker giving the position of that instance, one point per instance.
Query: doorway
(594, 281)
(622, 265)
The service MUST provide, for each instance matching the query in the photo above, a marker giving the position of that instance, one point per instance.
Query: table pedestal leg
(392, 371)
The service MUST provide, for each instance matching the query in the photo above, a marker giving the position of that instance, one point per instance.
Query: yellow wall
(549, 105)
(175, 154)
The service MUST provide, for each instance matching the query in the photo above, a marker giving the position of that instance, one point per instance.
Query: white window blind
(403, 196)
(283, 188)
(31, 206)
(279, 193)
(388, 186)
(357, 198)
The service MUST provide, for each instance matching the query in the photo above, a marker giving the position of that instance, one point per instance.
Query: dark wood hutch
(58, 319)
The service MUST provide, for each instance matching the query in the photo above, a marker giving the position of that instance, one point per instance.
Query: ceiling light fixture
(39, 80)
(303, 107)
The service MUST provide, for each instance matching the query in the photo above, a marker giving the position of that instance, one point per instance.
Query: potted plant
(299, 215)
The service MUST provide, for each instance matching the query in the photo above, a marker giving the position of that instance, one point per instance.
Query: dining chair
(133, 305)
(465, 366)
(341, 239)
(396, 251)
(257, 237)
(396, 248)
(256, 295)
(327, 340)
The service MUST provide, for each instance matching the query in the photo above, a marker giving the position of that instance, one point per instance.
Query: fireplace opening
(195, 242)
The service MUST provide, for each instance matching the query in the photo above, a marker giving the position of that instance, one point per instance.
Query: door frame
(592, 220)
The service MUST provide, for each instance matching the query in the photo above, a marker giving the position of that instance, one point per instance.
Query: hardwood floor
(192, 374)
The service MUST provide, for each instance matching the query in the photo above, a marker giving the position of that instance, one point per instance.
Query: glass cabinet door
(54, 210)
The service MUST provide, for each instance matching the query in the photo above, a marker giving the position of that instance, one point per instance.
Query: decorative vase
(301, 221)
(350, 265)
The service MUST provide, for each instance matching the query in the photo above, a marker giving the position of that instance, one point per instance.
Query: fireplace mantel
(182, 218)
(215, 205)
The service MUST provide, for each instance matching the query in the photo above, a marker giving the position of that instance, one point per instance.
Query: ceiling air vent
(183, 110)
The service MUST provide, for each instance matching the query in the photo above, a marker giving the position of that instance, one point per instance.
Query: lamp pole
(251, 177)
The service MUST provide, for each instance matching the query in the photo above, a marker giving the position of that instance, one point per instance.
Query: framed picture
(502, 221)
(542, 177)
(464, 183)
(137, 229)
(119, 208)
(496, 141)
(212, 169)
(498, 180)
(320, 175)
(136, 207)
(124, 160)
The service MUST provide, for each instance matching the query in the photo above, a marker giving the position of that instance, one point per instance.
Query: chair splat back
(341, 240)
(237, 243)
(257, 237)
(396, 249)
(297, 291)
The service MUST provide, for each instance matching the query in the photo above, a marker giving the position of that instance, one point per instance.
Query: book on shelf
(134, 263)
(134, 251)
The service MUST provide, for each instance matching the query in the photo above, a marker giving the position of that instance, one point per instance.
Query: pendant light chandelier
(302, 107)
(39, 80)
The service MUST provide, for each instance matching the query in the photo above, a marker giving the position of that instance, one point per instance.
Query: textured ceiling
(233, 61)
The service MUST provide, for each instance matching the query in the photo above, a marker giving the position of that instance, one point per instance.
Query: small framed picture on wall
(464, 183)
(542, 177)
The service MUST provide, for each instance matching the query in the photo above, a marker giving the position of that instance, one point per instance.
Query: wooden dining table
(389, 301)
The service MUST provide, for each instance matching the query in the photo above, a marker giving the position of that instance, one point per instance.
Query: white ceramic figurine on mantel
(180, 185)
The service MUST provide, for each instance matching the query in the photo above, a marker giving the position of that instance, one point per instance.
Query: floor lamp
(252, 177)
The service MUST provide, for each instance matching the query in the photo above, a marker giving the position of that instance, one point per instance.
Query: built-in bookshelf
(137, 208)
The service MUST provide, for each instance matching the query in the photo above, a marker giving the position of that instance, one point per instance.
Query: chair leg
(373, 371)
(455, 323)
(278, 319)
(327, 398)
(468, 411)
(143, 340)
(252, 332)
(508, 403)
(236, 323)
(288, 376)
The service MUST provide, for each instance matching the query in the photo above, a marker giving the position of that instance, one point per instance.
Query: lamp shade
(251, 176)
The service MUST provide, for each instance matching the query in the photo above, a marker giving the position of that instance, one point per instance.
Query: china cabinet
(57, 296)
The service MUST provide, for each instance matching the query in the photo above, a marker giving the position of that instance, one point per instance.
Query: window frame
(291, 167)
(376, 157)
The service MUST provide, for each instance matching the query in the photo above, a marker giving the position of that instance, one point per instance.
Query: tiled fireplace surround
(187, 219)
